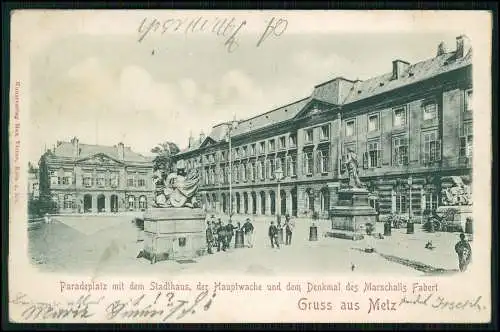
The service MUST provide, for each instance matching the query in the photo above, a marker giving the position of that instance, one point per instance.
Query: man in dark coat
(273, 235)
(229, 233)
(289, 226)
(248, 231)
(210, 237)
(464, 252)
(221, 236)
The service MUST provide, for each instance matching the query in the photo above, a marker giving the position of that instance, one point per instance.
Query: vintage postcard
(250, 166)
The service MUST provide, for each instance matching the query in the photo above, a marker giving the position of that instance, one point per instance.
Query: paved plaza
(107, 244)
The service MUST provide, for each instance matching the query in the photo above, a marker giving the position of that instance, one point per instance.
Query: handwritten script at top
(227, 28)
(162, 306)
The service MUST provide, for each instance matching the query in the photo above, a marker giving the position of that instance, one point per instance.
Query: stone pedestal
(351, 214)
(463, 212)
(174, 233)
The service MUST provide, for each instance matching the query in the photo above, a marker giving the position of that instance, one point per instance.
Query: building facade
(82, 178)
(409, 127)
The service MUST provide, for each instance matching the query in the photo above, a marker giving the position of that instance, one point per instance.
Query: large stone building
(94, 178)
(413, 122)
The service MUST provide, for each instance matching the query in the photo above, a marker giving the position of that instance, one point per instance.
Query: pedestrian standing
(210, 237)
(273, 235)
(464, 252)
(221, 235)
(214, 227)
(280, 230)
(248, 231)
(229, 232)
(289, 227)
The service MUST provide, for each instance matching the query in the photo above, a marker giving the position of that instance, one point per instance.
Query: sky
(106, 88)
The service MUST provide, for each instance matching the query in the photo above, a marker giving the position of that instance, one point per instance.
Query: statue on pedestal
(350, 163)
(178, 189)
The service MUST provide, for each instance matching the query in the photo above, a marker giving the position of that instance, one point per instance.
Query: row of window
(429, 200)
(324, 134)
(401, 202)
(319, 160)
(132, 202)
(253, 171)
(400, 116)
(99, 180)
(399, 120)
(248, 151)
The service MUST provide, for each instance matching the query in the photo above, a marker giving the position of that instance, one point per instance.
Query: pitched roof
(344, 95)
(277, 115)
(65, 150)
(414, 73)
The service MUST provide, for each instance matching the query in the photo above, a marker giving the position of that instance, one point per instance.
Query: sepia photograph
(262, 145)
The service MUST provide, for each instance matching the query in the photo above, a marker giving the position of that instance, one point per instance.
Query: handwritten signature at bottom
(162, 306)
(441, 303)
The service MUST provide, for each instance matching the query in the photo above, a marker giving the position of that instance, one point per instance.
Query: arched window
(243, 172)
(251, 171)
(235, 173)
(260, 170)
(278, 164)
(131, 202)
(309, 200)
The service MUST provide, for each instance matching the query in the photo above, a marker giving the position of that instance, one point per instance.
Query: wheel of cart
(438, 225)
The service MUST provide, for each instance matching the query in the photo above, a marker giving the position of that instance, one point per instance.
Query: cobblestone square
(107, 244)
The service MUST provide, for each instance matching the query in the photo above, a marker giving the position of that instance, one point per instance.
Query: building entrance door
(87, 203)
(114, 203)
(101, 203)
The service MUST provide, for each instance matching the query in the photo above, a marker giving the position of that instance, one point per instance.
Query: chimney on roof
(463, 46)
(441, 49)
(121, 151)
(398, 67)
(191, 140)
(202, 136)
(76, 147)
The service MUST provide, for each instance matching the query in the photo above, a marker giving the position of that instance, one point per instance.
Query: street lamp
(279, 176)
(410, 184)
(230, 126)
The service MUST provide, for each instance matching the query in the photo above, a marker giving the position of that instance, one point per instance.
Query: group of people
(275, 230)
(220, 235)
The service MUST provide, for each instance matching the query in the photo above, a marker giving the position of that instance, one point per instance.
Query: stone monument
(458, 197)
(174, 227)
(353, 210)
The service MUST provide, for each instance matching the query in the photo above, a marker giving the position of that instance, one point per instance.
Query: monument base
(351, 214)
(173, 234)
